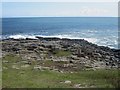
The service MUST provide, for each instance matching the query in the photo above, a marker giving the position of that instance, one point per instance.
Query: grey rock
(67, 82)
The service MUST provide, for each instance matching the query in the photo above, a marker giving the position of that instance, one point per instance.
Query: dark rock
(30, 39)
(82, 52)
(15, 49)
(32, 47)
(71, 61)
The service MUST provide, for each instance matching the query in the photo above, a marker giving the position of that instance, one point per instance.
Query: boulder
(67, 82)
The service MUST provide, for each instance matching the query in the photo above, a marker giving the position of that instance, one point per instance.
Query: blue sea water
(102, 31)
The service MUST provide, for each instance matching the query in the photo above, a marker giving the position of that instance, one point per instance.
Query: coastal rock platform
(61, 54)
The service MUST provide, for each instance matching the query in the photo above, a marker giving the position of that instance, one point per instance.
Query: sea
(102, 31)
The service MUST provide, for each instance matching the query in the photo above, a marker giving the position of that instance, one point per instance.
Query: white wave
(19, 36)
(92, 40)
(22, 36)
(99, 41)
(0, 37)
(58, 36)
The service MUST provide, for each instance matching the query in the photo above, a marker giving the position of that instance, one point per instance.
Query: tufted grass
(31, 78)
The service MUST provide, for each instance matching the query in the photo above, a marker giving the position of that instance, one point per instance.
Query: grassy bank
(15, 76)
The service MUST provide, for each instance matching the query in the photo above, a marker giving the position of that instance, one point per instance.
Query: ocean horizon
(102, 31)
(56, 44)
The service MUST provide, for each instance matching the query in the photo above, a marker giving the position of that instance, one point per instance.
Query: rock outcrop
(64, 54)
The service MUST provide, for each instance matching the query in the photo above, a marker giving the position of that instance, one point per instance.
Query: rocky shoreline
(62, 54)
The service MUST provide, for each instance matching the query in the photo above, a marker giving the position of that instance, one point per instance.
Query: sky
(59, 9)
(60, 0)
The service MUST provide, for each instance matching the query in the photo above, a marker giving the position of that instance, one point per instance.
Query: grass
(30, 78)
(0, 73)
(61, 53)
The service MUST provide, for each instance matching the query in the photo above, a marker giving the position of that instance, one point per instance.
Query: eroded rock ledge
(62, 54)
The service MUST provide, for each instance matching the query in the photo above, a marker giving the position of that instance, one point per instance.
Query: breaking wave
(110, 42)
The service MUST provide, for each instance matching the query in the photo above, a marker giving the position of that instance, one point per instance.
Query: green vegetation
(61, 53)
(0, 73)
(48, 62)
(32, 78)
